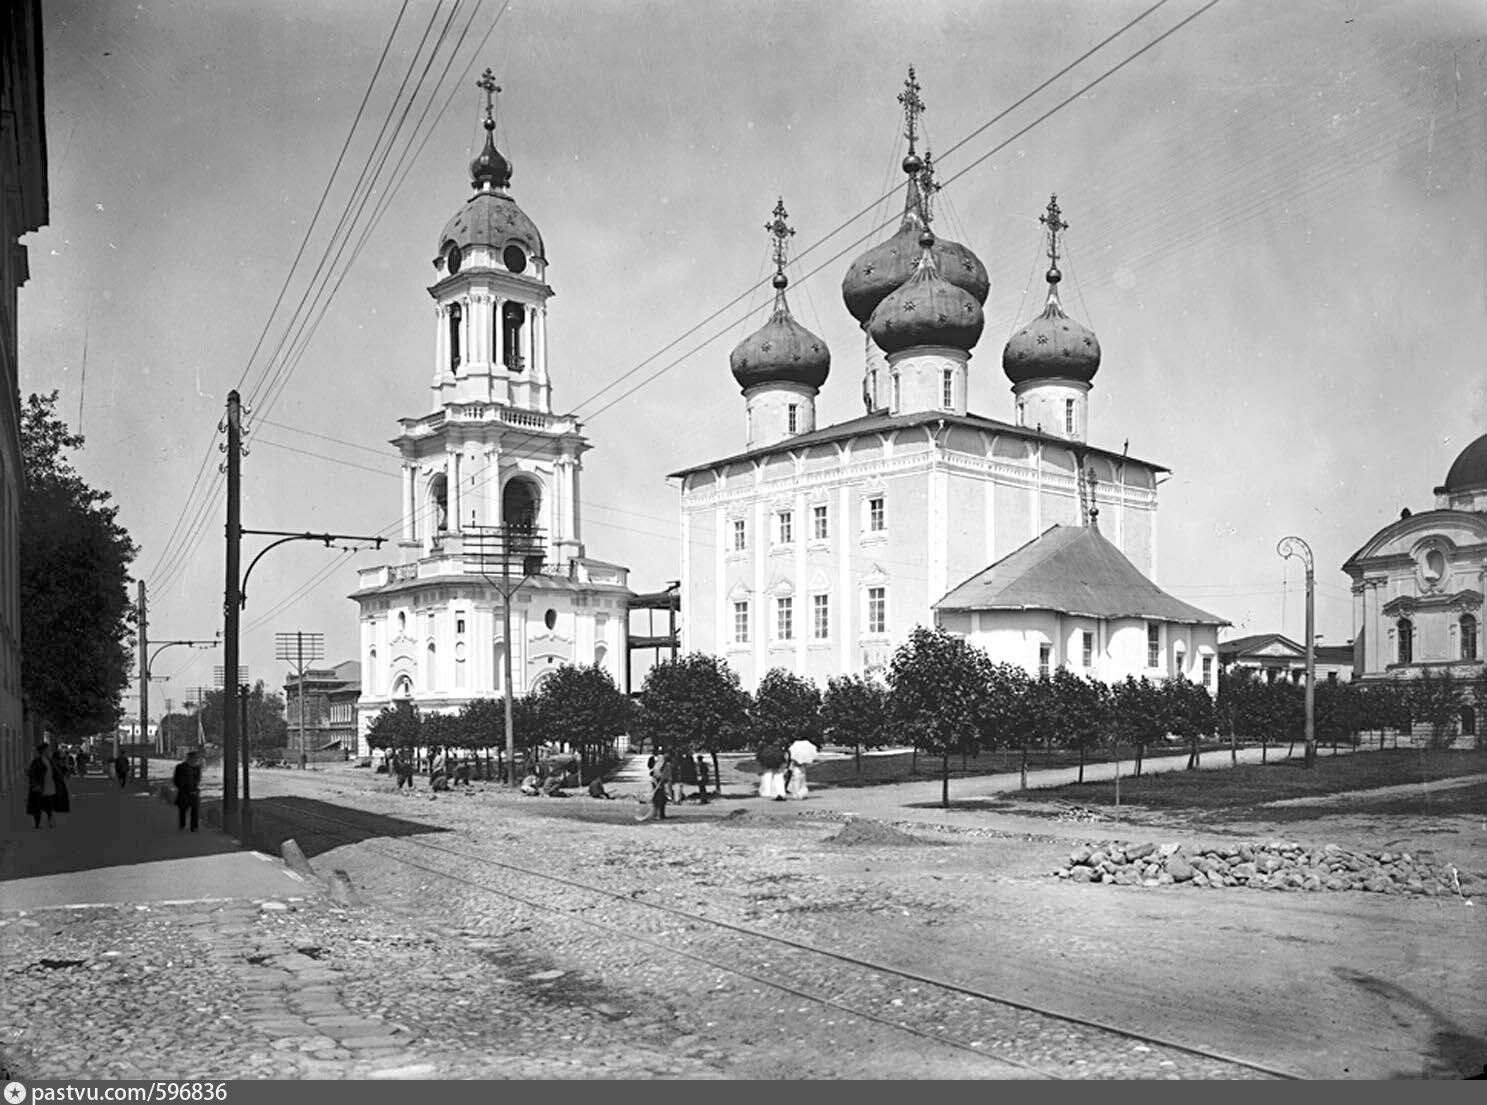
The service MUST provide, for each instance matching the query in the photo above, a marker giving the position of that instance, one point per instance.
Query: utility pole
(144, 685)
(299, 647)
(505, 542)
(247, 813)
(1294, 546)
(231, 605)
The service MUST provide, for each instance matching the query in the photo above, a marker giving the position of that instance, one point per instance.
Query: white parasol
(803, 752)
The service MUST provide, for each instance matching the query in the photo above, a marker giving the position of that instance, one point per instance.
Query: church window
(792, 414)
(876, 519)
(1208, 671)
(741, 623)
(1468, 637)
(820, 617)
(1087, 649)
(786, 527)
(513, 316)
(740, 541)
(429, 679)
(819, 529)
(897, 394)
(1153, 645)
(455, 317)
(459, 625)
(784, 618)
(1021, 409)
(1068, 416)
(1406, 641)
(947, 388)
(877, 610)
(1045, 654)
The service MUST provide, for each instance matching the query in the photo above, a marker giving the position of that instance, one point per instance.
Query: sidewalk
(122, 845)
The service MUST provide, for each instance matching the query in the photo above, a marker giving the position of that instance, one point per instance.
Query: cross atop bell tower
(487, 82)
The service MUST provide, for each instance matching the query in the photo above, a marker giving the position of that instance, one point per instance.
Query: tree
(1081, 712)
(1436, 699)
(1138, 714)
(694, 702)
(482, 725)
(1188, 713)
(787, 708)
(75, 613)
(937, 682)
(854, 713)
(582, 706)
(396, 728)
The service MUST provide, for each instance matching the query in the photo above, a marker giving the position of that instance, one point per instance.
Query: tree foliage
(582, 706)
(937, 683)
(76, 614)
(694, 702)
(854, 713)
(787, 708)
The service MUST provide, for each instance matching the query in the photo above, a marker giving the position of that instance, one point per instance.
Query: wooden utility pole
(231, 605)
(144, 685)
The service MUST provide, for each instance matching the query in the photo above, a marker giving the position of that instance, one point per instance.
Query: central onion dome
(927, 309)
(887, 265)
(782, 351)
(491, 217)
(1469, 471)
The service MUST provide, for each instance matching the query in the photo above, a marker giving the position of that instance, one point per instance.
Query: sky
(1277, 228)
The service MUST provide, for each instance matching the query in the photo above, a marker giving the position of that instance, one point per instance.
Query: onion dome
(887, 265)
(1052, 345)
(782, 350)
(926, 310)
(1469, 471)
(490, 217)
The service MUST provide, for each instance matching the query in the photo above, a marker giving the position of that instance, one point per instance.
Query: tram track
(966, 1020)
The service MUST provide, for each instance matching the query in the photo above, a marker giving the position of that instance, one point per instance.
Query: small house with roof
(1273, 656)
(1070, 599)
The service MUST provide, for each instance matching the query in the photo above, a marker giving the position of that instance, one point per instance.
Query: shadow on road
(1454, 1052)
(317, 827)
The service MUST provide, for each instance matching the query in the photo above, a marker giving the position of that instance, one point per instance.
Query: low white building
(1071, 599)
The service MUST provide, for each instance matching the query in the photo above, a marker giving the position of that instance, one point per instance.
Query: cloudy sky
(1277, 228)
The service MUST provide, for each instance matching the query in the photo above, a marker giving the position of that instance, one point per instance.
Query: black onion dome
(491, 219)
(490, 169)
(887, 265)
(1052, 346)
(781, 351)
(927, 309)
(1469, 471)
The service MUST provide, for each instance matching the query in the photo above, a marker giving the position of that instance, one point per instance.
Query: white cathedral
(819, 549)
(489, 459)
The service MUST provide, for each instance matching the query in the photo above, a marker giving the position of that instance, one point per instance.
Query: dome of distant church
(780, 351)
(887, 265)
(927, 309)
(1052, 346)
(1469, 470)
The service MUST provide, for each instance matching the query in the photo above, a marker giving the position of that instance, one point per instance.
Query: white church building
(819, 549)
(490, 456)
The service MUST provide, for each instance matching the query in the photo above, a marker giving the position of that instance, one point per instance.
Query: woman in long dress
(797, 787)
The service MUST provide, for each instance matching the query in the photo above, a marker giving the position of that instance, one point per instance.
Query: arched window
(513, 315)
(519, 504)
(430, 673)
(1468, 721)
(455, 317)
(1406, 641)
(439, 494)
(1468, 637)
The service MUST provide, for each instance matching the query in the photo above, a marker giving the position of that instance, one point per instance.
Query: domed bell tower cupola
(782, 365)
(1053, 359)
(490, 297)
(885, 267)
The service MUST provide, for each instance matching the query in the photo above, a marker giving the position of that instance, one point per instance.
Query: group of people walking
(670, 775)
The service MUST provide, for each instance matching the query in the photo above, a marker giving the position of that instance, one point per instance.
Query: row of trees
(267, 731)
(941, 696)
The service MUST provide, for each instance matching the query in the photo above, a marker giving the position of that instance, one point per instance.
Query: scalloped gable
(1459, 527)
(1074, 571)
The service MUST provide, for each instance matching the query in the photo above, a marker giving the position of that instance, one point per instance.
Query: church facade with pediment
(1418, 583)
(490, 489)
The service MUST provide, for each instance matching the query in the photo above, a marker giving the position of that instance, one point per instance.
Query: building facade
(1272, 656)
(1418, 583)
(328, 712)
(491, 518)
(819, 549)
(23, 209)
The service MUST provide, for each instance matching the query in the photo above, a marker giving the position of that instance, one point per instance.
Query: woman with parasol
(800, 753)
(773, 759)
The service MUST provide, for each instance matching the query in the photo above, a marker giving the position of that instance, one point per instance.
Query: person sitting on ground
(462, 773)
(596, 788)
(530, 785)
(552, 786)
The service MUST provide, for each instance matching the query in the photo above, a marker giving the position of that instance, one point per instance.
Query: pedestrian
(187, 782)
(702, 774)
(439, 771)
(121, 767)
(596, 788)
(40, 787)
(660, 785)
(405, 772)
(82, 762)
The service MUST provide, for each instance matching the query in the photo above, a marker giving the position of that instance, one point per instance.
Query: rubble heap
(1269, 865)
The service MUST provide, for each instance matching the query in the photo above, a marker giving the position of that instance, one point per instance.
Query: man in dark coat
(121, 767)
(187, 782)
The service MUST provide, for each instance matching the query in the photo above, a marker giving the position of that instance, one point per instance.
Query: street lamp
(146, 663)
(504, 543)
(1294, 546)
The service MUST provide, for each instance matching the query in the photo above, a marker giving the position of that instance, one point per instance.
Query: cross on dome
(1054, 223)
(913, 108)
(928, 186)
(779, 230)
(487, 82)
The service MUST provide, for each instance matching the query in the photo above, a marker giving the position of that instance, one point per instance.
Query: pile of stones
(1268, 865)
